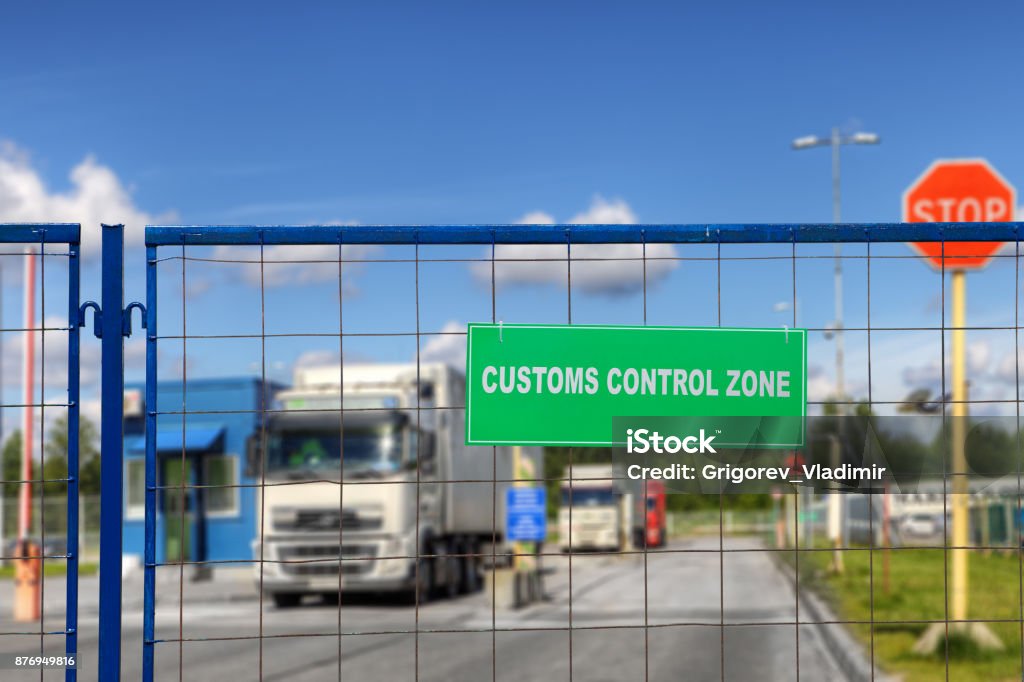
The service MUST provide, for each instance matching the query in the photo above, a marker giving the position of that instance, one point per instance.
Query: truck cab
(594, 512)
(364, 486)
(319, 539)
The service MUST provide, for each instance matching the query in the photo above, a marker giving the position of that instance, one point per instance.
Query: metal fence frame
(43, 235)
(494, 236)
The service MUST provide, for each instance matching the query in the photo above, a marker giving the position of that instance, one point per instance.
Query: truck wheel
(470, 570)
(287, 600)
(452, 574)
(447, 569)
(423, 590)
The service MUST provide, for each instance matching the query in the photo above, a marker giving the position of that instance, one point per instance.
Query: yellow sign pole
(979, 633)
(959, 464)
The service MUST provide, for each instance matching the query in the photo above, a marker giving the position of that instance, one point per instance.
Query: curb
(204, 599)
(846, 651)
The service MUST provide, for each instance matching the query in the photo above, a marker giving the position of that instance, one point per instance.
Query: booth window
(221, 470)
(135, 506)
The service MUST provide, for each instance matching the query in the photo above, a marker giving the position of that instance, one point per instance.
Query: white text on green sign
(563, 384)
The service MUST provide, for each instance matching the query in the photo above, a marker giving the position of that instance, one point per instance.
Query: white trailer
(415, 500)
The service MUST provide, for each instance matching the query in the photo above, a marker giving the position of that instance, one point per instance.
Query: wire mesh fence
(316, 480)
(54, 514)
(39, 415)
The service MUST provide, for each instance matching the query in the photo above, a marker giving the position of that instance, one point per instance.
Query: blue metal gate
(112, 323)
(55, 249)
(177, 242)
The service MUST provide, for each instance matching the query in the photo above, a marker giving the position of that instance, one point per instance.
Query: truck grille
(314, 560)
(319, 520)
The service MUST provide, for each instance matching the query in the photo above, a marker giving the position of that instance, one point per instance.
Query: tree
(55, 466)
(920, 401)
(10, 469)
(56, 450)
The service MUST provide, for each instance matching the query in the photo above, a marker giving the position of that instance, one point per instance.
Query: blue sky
(469, 112)
(385, 112)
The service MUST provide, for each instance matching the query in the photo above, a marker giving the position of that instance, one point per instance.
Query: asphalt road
(685, 637)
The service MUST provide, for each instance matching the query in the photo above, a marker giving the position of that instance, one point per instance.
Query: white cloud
(448, 347)
(979, 355)
(181, 367)
(1007, 370)
(537, 218)
(821, 385)
(90, 409)
(96, 196)
(618, 272)
(316, 358)
(604, 212)
(296, 265)
(323, 357)
(53, 363)
(197, 286)
(51, 373)
(929, 374)
(991, 373)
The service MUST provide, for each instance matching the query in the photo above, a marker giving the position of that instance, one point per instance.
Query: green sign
(564, 384)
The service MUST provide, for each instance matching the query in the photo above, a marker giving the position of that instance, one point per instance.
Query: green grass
(916, 588)
(51, 567)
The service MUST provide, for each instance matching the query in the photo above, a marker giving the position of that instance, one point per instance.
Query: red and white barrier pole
(28, 386)
(26, 594)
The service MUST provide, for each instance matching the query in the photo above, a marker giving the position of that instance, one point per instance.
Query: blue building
(206, 447)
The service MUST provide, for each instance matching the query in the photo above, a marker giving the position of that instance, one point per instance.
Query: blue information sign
(525, 514)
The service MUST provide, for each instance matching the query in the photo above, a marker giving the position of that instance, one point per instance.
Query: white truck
(400, 441)
(595, 511)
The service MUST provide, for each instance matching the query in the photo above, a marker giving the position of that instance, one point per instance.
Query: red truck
(649, 519)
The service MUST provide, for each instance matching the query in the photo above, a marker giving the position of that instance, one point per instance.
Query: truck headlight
(283, 518)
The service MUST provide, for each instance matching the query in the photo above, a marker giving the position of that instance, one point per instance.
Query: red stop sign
(959, 190)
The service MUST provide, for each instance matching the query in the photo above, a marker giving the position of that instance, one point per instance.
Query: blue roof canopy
(192, 439)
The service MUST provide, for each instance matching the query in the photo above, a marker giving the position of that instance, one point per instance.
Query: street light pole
(835, 501)
(836, 140)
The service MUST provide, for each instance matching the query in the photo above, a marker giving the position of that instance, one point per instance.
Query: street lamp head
(865, 138)
(807, 141)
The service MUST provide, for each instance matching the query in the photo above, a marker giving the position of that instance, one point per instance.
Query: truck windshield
(368, 449)
(588, 497)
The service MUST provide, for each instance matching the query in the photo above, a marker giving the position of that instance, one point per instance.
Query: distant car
(920, 525)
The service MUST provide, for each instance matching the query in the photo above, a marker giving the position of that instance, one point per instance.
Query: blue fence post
(111, 453)
(74, 397)
(149, 587)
